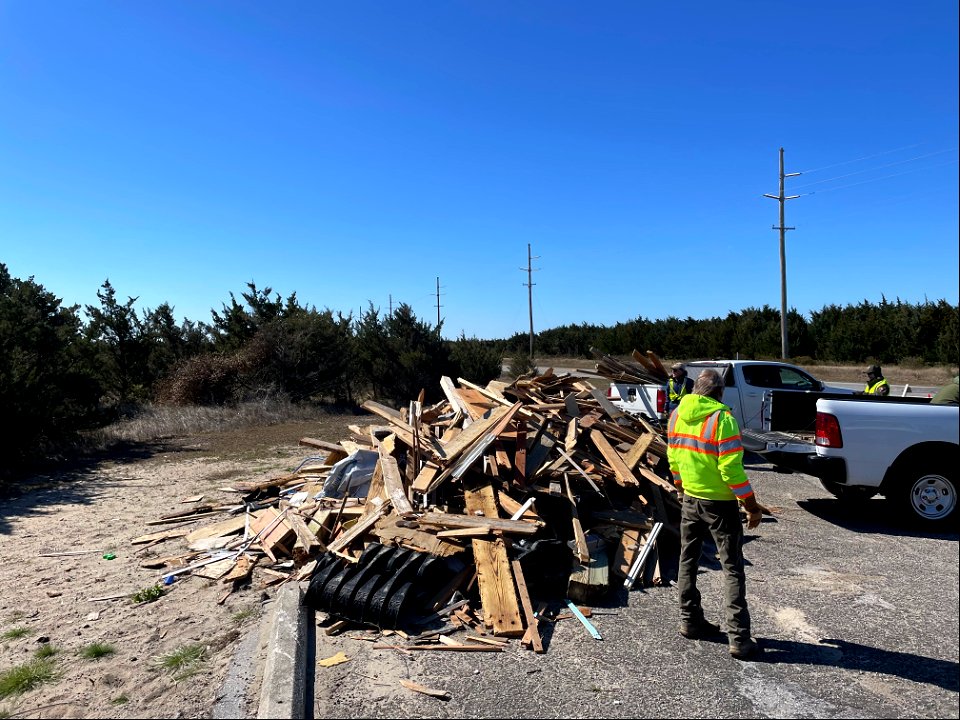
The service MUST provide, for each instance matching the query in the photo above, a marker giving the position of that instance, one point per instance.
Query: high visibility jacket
(871, 388)
(676, 390)
(705, 451)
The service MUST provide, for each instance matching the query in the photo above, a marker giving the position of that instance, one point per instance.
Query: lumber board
(242, 569)
(533, 631)
(230, 526)
(509, 527)
(476, 449)
(498, 594)
(570, 402)
(305, 537)
(158, 536)
(362, 526)
(393, 483)
(473, 433)
(655, 361)
(608, 407)
(335, 448)
(404, 431)
(390, 533)
(637, 450)
(511, 506)
(624, 476)
(581, 552)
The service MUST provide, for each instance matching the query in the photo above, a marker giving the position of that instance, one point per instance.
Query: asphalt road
(857, 615)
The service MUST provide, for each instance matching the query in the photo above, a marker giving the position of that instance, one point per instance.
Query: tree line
(64, 369)
(888, 333)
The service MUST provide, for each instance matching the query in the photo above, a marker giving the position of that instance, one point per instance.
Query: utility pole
(530, 285)
(784, 344)
(390, 300)
(438, 307)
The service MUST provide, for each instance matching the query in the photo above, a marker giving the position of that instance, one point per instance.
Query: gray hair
(709, 383)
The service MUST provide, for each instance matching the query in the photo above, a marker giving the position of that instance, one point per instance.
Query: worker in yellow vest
(706, 460)
(678, 385)
(876, 383)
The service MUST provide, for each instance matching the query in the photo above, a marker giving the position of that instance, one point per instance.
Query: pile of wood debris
(482, 510)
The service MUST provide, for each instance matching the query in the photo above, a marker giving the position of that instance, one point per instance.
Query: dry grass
(155, 422)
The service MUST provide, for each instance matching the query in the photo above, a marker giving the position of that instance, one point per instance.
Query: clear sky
(355, 152)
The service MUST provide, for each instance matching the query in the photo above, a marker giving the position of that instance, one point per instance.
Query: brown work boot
(743, 648)
(697, 630)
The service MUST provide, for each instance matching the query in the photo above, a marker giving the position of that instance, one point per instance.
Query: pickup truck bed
(903, 448)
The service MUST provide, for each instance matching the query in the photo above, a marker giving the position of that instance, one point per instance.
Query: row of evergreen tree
(63, 369)
(927, 333)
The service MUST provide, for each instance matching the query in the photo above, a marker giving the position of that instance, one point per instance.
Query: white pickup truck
(747, 391)
(903, 448)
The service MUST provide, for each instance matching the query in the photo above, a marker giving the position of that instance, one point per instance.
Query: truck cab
(748, 386)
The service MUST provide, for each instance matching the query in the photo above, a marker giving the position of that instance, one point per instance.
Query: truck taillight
(609, 391)
(828, 431)
(661, 402)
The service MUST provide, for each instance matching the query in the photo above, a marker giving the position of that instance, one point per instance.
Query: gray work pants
(721, 519)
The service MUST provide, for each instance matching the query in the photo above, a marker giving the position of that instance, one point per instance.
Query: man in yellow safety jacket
(706, 460)
(876, 383)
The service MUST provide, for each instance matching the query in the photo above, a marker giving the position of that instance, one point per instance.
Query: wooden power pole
(438, 307)
(784, 343)
(530, 285)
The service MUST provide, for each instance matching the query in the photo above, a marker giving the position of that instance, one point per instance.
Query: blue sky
(355, 152)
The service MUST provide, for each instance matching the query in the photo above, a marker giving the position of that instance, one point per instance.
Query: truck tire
(849, 494)
(929, 494)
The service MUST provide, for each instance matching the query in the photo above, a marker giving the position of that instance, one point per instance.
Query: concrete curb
(283, 688)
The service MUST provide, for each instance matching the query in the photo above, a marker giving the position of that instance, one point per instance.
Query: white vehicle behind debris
(747, 391)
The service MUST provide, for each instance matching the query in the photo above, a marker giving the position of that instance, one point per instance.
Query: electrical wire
(865, 157)
(880, 167)
(885, 177)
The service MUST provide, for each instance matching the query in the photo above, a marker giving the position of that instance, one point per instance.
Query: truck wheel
(847, 493)
(930, 494)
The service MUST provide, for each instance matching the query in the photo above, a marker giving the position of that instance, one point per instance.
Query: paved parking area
(857, 614)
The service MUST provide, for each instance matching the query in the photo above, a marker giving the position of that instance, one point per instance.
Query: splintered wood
(535, 491)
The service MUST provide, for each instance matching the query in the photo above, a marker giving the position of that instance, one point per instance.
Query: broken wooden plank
(230, 526)
(393, 483)
(359, 529)
(581, 552)
(158, 536)
(404, 431)
(498, 594)
(533, 630)
(638, 450)
(621, 472)
(450, 520)
(423, 689)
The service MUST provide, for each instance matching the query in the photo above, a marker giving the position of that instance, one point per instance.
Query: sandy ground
(50, 600)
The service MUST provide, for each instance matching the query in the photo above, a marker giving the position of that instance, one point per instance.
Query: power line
(865, 157)
(885, 177)
(879, 167)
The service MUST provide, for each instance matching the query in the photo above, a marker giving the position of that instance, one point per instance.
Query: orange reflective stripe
(709, 429)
